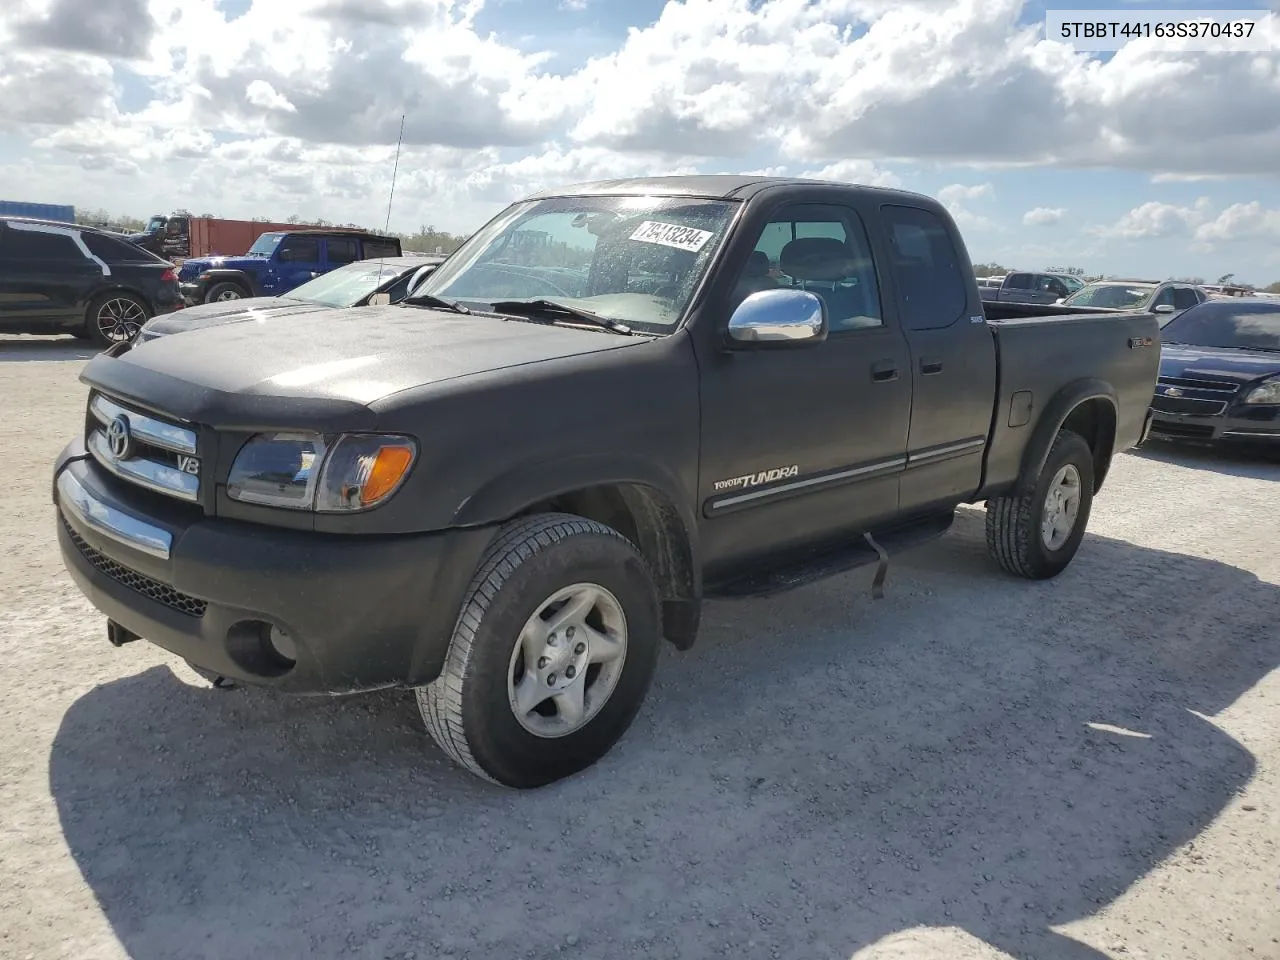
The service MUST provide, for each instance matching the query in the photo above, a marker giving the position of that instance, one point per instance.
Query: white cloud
(1043, 216)
(264, 95)
(1241, 221)
(955, 197)
(862, 172)
(1154, 220)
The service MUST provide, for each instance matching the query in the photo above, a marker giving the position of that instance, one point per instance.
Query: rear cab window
(929, 278)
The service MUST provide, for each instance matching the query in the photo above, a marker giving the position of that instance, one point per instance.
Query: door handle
(930, 366)
(883, 371)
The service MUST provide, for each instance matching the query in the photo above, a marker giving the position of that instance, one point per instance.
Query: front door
(799, 443)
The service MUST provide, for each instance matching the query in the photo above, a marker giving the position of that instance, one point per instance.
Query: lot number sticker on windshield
(672, 235)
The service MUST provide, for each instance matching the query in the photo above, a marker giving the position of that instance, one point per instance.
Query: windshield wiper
(554, 310)
(429, 300)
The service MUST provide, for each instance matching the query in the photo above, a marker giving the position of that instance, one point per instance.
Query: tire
(115, 317)
(225, 291)
(470, 709)
(1016, 537)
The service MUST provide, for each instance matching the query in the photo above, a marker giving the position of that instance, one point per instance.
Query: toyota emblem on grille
(1172, 392)
(119, 439)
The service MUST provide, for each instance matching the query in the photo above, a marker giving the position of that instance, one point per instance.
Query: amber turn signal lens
(388, 468)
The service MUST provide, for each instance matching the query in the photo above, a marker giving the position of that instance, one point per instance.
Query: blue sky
(1152, 161)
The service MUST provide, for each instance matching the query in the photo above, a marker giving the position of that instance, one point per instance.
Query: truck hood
(331, 363)
(258, 309)
(1217, 363)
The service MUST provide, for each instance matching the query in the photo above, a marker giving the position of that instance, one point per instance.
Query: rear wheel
(551, 656)
(1036, 531)
(115, 318)
(226, 290)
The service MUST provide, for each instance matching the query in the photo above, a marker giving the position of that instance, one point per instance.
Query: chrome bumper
(110, 522)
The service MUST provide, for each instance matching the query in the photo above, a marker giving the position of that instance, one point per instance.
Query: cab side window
(1164, 299)
(931, 286)
(1184, 297)
(1018, 281)
(823, 250)
(300, 250)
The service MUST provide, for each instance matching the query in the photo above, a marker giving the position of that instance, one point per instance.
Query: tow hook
(118, 635)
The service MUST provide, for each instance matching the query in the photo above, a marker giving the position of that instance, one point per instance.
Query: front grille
(1198, 384)
(1188, 406)
(137, 582)
(159, 454)
(188, 271)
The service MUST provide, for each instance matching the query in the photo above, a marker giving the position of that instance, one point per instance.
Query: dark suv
(63, 278)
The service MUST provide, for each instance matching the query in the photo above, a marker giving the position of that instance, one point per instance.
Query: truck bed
(1043, 349)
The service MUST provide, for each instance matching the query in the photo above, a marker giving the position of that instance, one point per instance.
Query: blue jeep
(277, 262)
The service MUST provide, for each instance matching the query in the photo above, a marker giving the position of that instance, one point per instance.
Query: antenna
(386, 229)
(394, 170)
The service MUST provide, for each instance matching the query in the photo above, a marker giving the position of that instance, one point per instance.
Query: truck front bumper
(352, 613)
(193, 291)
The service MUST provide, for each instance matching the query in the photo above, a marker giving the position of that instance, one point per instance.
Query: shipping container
(63, 213)
(210, 236)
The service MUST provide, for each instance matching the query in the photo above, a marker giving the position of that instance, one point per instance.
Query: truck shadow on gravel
(1252, 463)
(821, 772)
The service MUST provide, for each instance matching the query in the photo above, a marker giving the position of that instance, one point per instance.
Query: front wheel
(115, 318)
(551, 656)
(222, 292)
(1036, 531)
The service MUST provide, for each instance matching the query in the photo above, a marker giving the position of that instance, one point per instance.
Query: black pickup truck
(614, 401)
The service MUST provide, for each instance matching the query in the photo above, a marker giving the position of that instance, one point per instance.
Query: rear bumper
(361, 612)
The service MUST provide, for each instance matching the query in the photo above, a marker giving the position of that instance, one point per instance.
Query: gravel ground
(972, 767)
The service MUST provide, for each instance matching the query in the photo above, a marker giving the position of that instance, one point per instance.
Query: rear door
(297, 260)
(801, 445)
(953, 357)
(45, 275)
(339, 251)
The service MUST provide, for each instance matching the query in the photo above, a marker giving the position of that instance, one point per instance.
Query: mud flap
(882, 568)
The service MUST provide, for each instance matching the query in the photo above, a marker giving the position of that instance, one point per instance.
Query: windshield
(155, 224)
(633, 259)
(346, 285)
(1120, 296)
(265, 244)
(1253, 326)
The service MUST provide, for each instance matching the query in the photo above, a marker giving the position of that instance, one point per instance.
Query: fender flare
(1056, 411)
(531, 482)
(667, 529)
(241, 278)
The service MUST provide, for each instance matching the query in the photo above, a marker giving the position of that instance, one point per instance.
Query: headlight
(306, 471)
(1266, 392)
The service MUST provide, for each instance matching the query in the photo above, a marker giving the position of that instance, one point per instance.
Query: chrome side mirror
(779, 318)
(419, 276)
(1164, 308)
